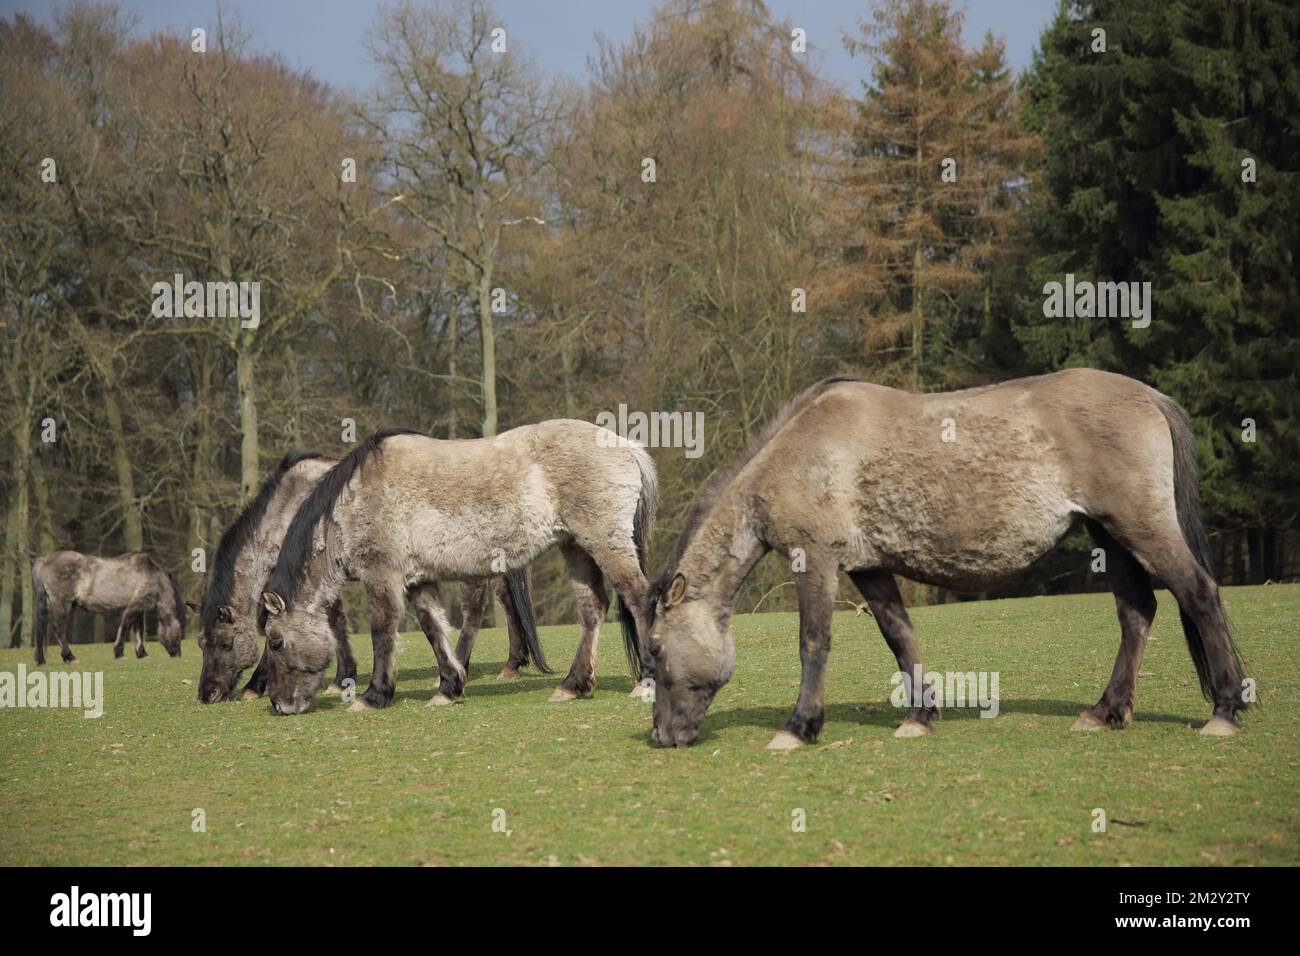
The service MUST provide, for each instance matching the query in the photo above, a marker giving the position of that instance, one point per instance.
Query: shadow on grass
(483, 682)
(885, 715)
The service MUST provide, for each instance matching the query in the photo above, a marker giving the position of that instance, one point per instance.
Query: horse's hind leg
(816, 588)
(592, 601)
(433, 620)
(1204, 625)
(1136, 603)
(137, 626)
(623, 570)
(119, 645)
(59, 625)
(881, 593)
(347, 664)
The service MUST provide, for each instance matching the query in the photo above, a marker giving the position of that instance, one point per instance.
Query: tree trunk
(487, 332)
(132, 523)
(249, 470)
(44, 516)
(1270, 554)
(1255, 555)
(24, 555)
(453, 341)
(8, 563)
(199, 473)
(295, 398)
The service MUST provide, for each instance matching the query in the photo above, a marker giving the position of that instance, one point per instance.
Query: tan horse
(404, 511)
(230, 639)
(962, 490)
(132, 583)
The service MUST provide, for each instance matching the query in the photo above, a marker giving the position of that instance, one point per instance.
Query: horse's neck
(726, 546)
(324, 577)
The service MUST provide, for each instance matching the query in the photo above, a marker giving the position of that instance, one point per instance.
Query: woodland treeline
(704, 224)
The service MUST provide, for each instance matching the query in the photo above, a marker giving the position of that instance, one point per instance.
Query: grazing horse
(132, 583)
(244, 559)
(404, 511)
(962, 490)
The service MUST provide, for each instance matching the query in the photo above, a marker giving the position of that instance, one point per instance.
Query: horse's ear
(273, 603)
(194, 608)
(676, 590)
(226, 614)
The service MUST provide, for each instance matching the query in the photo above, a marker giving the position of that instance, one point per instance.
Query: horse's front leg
(816, 588)
(386, 607)
(256, 685)
(137, 625)
(474, 596)
(881, 593)
(347, 664)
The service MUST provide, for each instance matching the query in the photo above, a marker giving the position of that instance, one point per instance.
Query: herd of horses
(962, 490)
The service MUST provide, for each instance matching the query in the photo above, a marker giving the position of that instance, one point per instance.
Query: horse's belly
(967, 542)
(97, 593)
(478, 544)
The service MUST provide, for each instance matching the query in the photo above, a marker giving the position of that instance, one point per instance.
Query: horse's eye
(275, 643)
(228, 645)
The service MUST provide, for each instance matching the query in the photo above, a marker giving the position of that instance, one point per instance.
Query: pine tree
(937, 155)
(1148, 146)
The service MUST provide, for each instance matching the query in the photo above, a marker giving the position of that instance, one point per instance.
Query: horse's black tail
(40, 613)
(176, 600)
(522, 599)
(643, 523)
(1187, 503)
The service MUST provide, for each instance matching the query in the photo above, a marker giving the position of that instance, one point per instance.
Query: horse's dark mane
(296, 550)
(709, 493)
(222, 589)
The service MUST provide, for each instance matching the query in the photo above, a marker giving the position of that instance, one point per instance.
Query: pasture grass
(579, 783)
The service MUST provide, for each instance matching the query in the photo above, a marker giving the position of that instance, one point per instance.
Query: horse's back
(960, 488)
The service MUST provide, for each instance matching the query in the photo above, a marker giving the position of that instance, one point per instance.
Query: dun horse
(962, 490)
(403, 511)
(132, 583)
(244, 558)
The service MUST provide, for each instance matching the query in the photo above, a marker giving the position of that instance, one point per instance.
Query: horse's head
(693, 653)
(299, 645)
(229, 647)
(170, 632)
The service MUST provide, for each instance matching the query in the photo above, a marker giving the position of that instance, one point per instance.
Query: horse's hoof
(508, 673)
(913, 728)
(250, 695)
(439, 700)
(71, 660)
(1220, 727)
(359, 705)
(333, 690)
(644, 690)
(1089, 721)
(563, 694)
(784, 740)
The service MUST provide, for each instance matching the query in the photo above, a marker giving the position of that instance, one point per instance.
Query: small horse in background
(132, 583)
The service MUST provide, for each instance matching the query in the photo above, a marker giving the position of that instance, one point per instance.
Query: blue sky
(325, 36)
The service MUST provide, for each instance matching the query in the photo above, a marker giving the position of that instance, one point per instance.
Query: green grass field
(579, 783)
